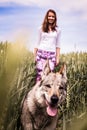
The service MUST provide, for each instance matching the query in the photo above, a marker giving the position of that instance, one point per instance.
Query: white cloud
(62, 4)
(66, 4)
(72, 16)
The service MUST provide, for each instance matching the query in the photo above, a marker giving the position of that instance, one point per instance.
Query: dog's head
(52, 89)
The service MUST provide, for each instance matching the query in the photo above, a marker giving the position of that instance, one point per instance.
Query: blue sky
(20, 19)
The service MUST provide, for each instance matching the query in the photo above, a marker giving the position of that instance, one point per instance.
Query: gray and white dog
(40, 107)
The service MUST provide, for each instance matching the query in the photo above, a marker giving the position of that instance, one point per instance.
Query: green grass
(17, 76)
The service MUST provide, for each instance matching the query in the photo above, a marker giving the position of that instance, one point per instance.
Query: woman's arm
(58, 46)
(37, 44)
(57, 55)
(35, 51)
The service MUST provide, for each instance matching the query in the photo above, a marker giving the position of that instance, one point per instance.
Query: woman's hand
(57, 55)
(57, 61)
(35, 54)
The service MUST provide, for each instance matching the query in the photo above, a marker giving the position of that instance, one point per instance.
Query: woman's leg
(41, 58)
(40, 61)
(52, 60)
(38, 69)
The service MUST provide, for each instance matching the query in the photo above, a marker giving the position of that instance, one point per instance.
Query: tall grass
(15, 71)
(17, 76)
(75, 108)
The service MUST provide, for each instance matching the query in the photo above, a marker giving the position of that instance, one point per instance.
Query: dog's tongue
(51, 111)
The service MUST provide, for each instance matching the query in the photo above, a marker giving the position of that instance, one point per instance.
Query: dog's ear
(46, 69)
(63, 71)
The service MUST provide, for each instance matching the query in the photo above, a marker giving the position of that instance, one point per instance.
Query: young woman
(48, 46)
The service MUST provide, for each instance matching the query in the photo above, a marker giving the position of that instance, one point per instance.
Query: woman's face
(51, 18)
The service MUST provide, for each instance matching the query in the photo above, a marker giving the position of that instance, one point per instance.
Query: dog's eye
(61, 87)
(48, 86)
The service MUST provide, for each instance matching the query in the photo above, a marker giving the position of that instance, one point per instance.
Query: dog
(40, 107)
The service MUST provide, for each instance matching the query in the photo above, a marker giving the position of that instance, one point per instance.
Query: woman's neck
(50, 28)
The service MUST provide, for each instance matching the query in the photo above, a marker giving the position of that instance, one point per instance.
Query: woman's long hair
(45, 23)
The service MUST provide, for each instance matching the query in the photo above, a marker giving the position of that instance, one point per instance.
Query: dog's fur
(39, 111)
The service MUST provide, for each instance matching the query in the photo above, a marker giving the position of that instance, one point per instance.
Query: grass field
(17, 76)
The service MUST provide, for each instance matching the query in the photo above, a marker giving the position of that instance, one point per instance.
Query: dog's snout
(54, 99)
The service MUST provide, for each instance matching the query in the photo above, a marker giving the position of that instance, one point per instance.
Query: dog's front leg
(26, 121)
